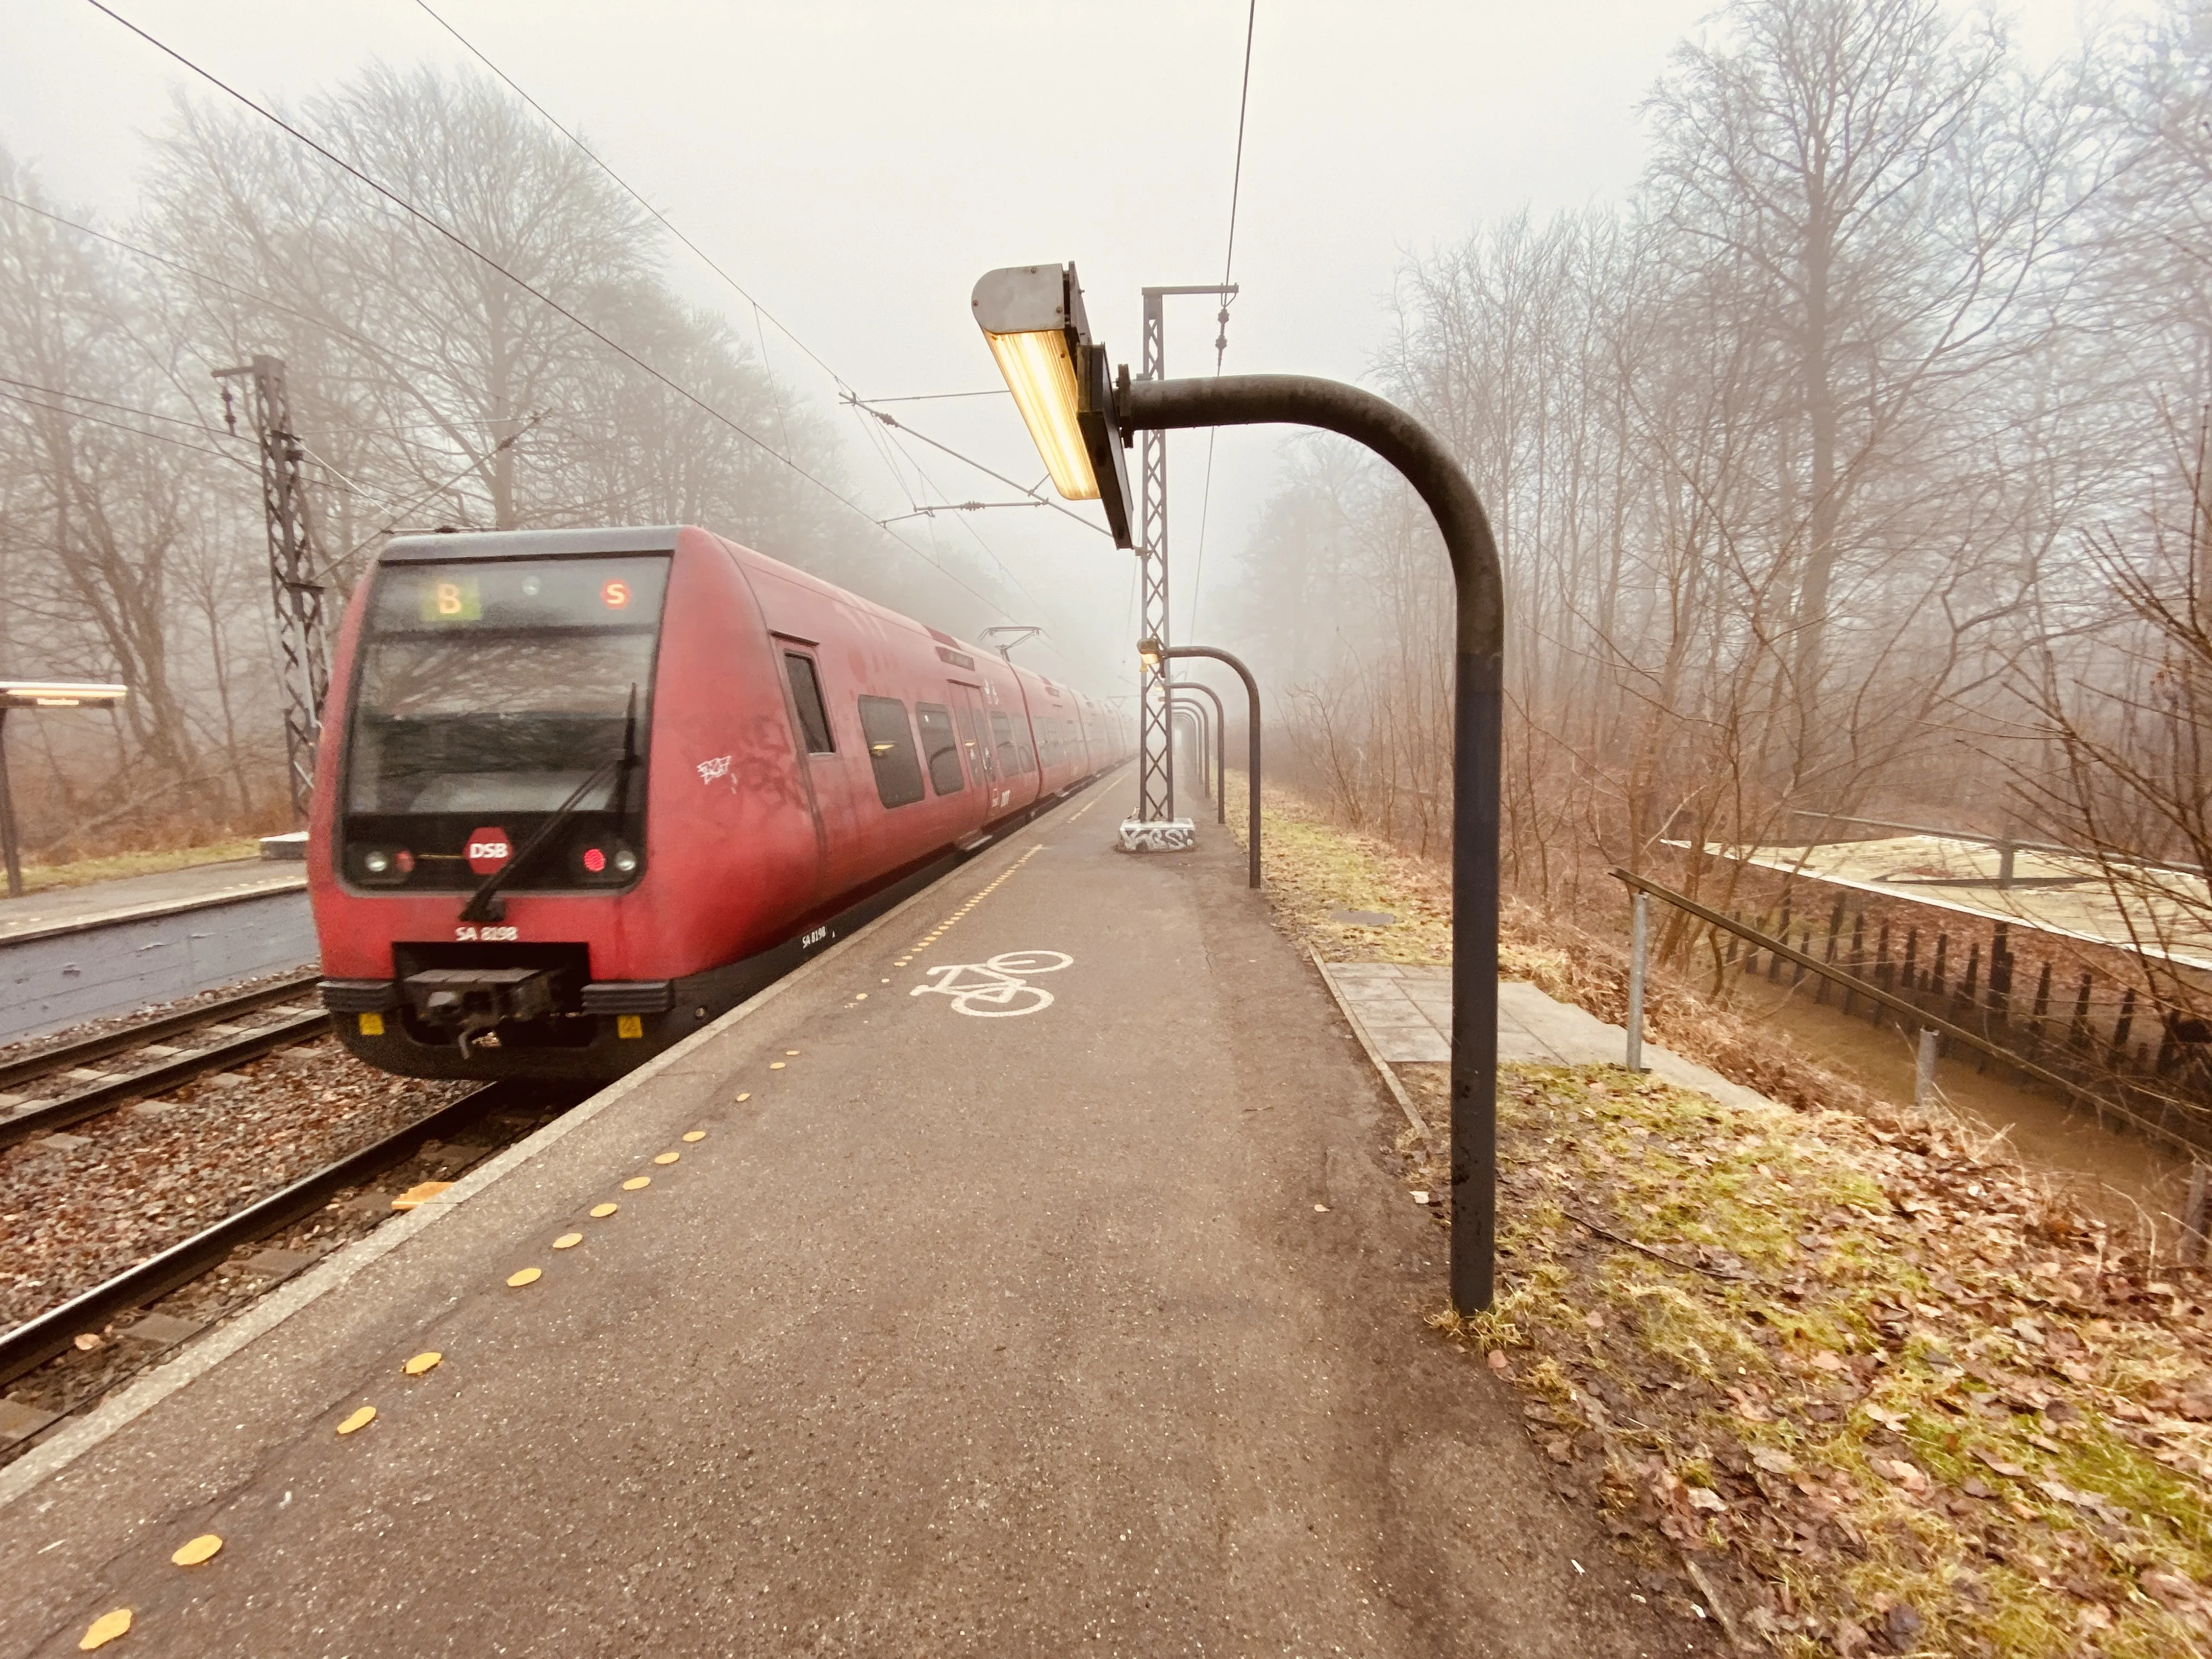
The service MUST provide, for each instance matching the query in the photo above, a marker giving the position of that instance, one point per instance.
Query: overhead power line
(135, 432)
(665, 224)
(897, 424)
(1221, 340)
(126, 409)
(439, 228)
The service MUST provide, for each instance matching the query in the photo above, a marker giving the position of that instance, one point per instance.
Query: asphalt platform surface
(964, 1329)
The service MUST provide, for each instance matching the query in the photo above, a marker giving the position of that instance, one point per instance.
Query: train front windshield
(488, 692)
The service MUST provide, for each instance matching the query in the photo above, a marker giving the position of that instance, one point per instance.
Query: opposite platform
(1038, 1283)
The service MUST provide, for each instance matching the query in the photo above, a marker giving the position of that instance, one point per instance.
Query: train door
(976, 741)
(826, 788)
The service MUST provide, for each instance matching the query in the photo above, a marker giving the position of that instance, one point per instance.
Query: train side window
(806, 694)
(940, 746)
(891, 751)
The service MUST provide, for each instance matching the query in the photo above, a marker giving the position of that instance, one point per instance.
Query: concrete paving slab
(1075, 1308)
(1532, 1027)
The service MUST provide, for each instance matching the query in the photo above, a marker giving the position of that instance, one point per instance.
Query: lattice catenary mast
(1155, 752)
(297, 597)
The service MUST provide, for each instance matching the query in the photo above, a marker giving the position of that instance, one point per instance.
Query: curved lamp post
(1179, 687)
(1201, 727)
(1083, 415)
(1169, 653)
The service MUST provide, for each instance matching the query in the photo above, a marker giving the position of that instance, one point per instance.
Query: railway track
(38, 1339)
(159, 1063)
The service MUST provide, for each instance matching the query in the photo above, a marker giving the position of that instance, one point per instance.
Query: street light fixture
(1032, 315)
(1149, 653)
(38, 694)
(1478, 708)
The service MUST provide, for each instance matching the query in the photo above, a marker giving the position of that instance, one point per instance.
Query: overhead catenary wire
(135, 432)
(760, 312)
(1228, 265)
(1011, 483)
(706, 259)
(440, 229)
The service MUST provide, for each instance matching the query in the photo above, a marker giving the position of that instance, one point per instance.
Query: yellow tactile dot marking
(421, 1363)
(601, 1212)
(860, 996)
(360, 1420)
(525, 1276)
(104, 1630)
(567, 1241)
(791, 1053)
(746, 1096)
(202, 1548)
(694, 1134)
(667, 1158)
(775, 1065)
(637, 1183)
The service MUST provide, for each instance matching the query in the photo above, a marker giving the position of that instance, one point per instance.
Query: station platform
(74, 954)
(134, 898)
(1036, 1284)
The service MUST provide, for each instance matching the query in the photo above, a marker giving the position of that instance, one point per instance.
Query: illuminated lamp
(1150, 652)
(625, 861)
(1032, 317)
(60, 694)
(595, 860)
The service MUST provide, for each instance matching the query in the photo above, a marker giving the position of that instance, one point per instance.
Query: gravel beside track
(147, 1176)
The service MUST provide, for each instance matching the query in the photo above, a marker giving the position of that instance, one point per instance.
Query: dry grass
(81, 872)
(1873, 1391)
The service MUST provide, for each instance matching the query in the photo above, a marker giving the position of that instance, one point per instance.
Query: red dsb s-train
(583, 790)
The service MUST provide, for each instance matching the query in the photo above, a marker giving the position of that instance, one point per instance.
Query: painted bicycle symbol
(996, 989)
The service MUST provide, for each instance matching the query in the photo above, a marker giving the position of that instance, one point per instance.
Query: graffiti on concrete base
(1166, 835)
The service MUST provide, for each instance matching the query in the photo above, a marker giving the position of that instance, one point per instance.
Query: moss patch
(1867, 1390)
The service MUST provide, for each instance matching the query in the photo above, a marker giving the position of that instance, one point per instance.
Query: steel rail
(152, 1079)
(64, 1055)
(36, 1340)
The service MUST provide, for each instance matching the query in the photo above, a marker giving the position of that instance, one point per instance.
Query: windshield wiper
(488, 902)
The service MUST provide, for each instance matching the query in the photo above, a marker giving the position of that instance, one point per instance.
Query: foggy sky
(857, 166)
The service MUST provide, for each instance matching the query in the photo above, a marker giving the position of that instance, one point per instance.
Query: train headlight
(376, 862)
(625, 861)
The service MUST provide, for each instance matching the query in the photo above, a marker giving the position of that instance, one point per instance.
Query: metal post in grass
(1639, 938)
(1923, 1070)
